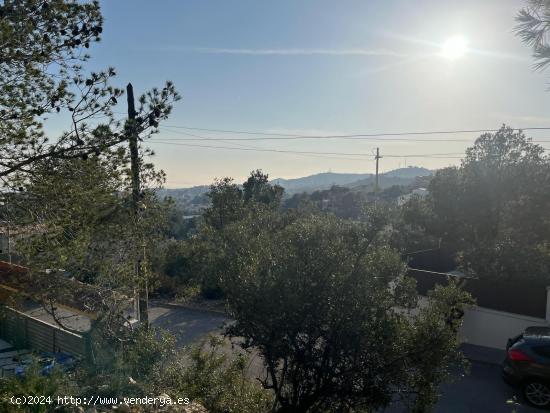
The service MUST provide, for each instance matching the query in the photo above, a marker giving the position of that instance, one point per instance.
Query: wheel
(537, 393)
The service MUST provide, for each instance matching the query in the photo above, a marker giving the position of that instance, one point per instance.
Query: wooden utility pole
(8, 216)
(140, 299)
(376, 157)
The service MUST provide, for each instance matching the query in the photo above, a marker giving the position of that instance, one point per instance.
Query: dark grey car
(527, 365)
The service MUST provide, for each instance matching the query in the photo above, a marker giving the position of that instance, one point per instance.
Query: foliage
(258, 189)
(489, 209)
(226, 204)
(42, 73)
(318, 298)
(180, 227)
(34, 383)
(207, 374)
(43, 47)
(90, 241)
(172, 266)
(145, 362)
(533, 23)
(42, 44)
(124, 359)
(341, 201)
(350, 203)
(408, 223)
(229, 204)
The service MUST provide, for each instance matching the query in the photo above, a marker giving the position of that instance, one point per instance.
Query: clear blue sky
(322, 67)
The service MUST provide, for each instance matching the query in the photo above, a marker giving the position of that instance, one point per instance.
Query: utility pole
(140, 301)
(377, 157)
(6, 202)
(9, 226)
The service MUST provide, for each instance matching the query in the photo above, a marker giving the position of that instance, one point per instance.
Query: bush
(206, 373)
(34, 383)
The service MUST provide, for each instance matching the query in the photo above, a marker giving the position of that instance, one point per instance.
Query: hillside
(190, 200)
(401, 176)
(193, 200)
(318, 181)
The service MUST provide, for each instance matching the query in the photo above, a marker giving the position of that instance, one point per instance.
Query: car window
(543, 351)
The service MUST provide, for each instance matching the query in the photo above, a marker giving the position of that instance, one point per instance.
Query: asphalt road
(186, 325)
(482, 391)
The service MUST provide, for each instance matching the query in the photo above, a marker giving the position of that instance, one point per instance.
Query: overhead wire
(205, 138)
(357, 135)
(361, 155)
(194, 138)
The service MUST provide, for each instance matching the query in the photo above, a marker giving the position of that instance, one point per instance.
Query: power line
(359, 135)
(202, 138)
(362, 157)
(283, 138)
(195, 137)
(263, 149)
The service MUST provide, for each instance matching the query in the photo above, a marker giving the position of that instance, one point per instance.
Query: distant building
(418, 192)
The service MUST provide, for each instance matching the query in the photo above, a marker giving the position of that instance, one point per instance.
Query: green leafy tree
(258, 189)
(325, 304)
(230, 204)
(341, 201)
(489, 209)
(226, 204)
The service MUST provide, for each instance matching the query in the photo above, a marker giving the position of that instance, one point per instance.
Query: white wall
(492, 328)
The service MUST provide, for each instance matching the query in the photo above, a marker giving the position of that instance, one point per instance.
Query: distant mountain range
(316, 182)
(325, 180)
(193, 200)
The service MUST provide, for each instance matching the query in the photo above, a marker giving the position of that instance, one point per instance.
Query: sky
(319, 67)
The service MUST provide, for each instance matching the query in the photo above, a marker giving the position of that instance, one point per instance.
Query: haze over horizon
(365, 68)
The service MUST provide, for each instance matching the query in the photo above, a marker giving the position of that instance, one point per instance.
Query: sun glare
(454, 48)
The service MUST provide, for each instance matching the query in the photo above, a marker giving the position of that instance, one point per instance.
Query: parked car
(527, 365)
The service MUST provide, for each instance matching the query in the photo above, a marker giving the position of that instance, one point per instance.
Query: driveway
(482, 391)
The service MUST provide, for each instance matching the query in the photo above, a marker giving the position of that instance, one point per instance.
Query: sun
(454, 48)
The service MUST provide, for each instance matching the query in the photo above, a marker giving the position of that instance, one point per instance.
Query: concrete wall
(492, 328)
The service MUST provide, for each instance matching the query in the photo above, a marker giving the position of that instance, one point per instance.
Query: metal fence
(24, 331)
